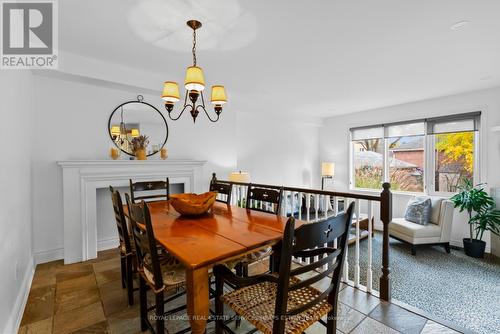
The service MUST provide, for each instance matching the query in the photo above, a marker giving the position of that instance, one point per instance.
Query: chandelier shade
(115, 130)
(195, 79)
(170, 92)
(134, 133)
(218, 95)
(194, 101)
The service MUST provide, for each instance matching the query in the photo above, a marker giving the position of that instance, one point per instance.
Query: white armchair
(438, 232)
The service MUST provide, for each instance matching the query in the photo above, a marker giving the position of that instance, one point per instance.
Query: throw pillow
(418, 211)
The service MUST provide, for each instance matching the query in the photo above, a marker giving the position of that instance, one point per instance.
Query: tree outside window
(454, 159)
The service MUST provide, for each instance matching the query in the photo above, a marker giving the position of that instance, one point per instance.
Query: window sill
(377, 191)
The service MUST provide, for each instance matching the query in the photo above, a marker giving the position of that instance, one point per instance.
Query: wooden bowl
(193, 204)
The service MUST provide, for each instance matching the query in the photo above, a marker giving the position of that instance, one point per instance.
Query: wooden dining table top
(225, 231)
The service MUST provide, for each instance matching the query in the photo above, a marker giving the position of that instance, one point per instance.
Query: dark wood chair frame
(413, 248)
(145, 186)
(146, 245)
(266, 194)
(127, 256)
(223, 188)
(306, 242)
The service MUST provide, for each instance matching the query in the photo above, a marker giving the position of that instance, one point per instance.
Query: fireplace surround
(82, 178)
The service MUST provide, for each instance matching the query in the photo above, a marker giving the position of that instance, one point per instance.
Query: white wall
(16, 258)
(278, 151)
(334, 139)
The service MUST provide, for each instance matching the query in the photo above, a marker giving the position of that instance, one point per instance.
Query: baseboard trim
(107, 244)
(49, 255)
(58, 253)
(16, 315)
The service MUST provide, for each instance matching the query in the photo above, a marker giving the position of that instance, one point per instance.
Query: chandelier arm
(206, 112)
(182, 111)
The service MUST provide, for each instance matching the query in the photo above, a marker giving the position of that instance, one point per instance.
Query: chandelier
(194, 84)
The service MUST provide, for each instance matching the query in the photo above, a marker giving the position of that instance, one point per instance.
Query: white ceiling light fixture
(459, 25)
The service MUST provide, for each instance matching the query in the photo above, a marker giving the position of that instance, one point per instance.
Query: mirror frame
(140, 99)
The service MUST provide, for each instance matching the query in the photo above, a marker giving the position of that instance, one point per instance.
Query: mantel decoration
(135, 123)
(139, 145)
(194, 84)
(482, 216)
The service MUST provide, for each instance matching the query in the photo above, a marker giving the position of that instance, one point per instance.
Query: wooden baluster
(316, 207)
(346, 262)
(335, 206)
(308, 206)
(335, 213)
(369, 272)
(386, 217)
(299, 198)
(284, 200)
(292, 204)
(326, 205)
(356, 249)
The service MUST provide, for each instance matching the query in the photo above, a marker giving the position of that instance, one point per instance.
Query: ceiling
(320, 58)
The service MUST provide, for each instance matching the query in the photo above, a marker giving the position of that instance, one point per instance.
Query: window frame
(429, 149)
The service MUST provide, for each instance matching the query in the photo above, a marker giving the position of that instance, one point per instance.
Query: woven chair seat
(173, 272)
(256, 304)
(258, 256)
(249, 258)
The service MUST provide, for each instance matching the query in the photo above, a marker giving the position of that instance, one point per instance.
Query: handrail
(385, 199)
(311, 191)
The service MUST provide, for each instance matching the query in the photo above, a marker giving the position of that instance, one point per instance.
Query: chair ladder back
(222, 188)
(284, 277)
(262, 194)
(121, 222)
(145, 242)
(308, 241)
(144, 187)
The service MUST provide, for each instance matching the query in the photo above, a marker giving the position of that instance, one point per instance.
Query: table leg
(197, 299)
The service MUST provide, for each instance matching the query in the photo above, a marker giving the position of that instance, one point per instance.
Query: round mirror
(137, 118)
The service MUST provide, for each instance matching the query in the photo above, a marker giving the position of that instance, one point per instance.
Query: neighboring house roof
(413, 143)
(374, 159)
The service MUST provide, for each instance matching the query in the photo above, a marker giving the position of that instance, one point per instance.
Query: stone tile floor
(88, 298)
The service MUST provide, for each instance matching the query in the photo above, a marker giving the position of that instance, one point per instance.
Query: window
(453, 152)
(431, 155)
(368, 157)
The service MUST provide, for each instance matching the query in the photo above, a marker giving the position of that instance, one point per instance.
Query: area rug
(453, 287)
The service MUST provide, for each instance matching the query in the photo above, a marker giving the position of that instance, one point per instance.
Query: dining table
(224, 233)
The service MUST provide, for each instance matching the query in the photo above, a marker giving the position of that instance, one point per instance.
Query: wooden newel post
(386, 217)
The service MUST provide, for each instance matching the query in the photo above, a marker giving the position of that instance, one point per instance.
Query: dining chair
(264, 198)
(149, 190)
(126, 246)
(223, 188)
(159, 271)
(286, 301)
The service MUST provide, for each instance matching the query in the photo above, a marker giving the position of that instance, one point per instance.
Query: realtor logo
(29, 34)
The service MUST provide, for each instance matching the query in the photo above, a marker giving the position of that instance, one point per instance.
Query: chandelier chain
(194, 47)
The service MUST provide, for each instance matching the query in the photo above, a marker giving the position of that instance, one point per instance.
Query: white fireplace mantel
(82, 178)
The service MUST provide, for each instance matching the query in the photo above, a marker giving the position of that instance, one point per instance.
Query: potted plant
(139, 145)
(482, 216)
